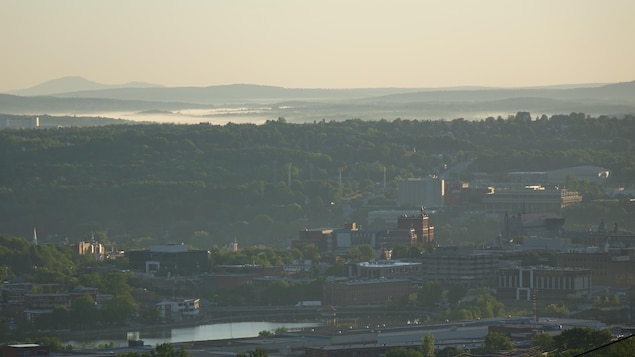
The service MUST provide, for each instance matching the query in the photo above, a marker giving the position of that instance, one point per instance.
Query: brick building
(365, 291)
(615, 268)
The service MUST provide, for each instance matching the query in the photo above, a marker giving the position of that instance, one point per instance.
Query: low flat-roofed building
(179, 309)
(320, 237)
(48, 301)
(365, 291)
(521, 283)
(25, 350)
(169, 260)
(615, 268)
(594, 174)
(532, 199)
(385, 269)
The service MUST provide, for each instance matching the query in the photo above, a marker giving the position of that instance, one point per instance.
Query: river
(206, 332)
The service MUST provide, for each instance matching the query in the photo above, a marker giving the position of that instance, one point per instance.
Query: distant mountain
(306, 105)
(12, 104)
(73, 84)
(618, 93)
(234, 93)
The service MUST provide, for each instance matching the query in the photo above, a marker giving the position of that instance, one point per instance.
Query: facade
(533, 199)
(594, 174)
(420, 223)
(179, 309)
(524, 283)
(298, 266)
(459, 195)
(318, 237)
(90, 248)
(411, 229)
(169, 260)
(459, 265)
(48, 301)
(384, 269)
(615, 268)
(531, 224)
(17, 122)
(417, 192)
(232, 277)
(30, 301)
(365, 291)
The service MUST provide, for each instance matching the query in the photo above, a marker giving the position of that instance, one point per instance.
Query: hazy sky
(318, 44)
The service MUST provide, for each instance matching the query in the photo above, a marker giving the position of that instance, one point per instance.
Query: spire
(34, 236)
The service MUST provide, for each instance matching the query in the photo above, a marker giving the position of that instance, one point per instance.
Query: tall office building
(417, 192)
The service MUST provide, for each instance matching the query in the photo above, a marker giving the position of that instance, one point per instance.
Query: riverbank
(161, 328)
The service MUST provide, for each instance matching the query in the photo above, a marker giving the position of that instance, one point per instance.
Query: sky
(318, 44)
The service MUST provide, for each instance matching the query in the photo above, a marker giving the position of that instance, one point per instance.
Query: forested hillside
(208, 185)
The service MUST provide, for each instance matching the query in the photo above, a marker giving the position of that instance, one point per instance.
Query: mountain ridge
(73, 83)
(311, 104)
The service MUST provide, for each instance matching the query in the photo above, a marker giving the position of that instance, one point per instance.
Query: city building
(18, 122)
(459, 265)
(93, 248)
(417, 192)
(298, 266)
(531, 225)
(594, 174)
(365, 291)
(419, 223)
(411, 229)
(25, 350)
(169, 260)
(614, 268)
(532, 199)
(544, 283)
(384, 269)
(179, 309)
(317, 236)
(460, 195)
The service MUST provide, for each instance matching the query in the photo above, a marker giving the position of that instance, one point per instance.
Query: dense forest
(210, 184)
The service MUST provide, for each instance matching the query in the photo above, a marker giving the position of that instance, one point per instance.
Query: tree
(366, 252)
(584, 338)
(496, 341)
(456, 293)
(554, 310)
(84, 311)
(427, 346)
(168, 350)
(118, 309)
(451, 351)
(544, 341)
(430, 294)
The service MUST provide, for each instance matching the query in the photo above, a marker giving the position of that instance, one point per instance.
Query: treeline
(209, 184)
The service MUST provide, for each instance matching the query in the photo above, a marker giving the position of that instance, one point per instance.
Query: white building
(179, 309)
